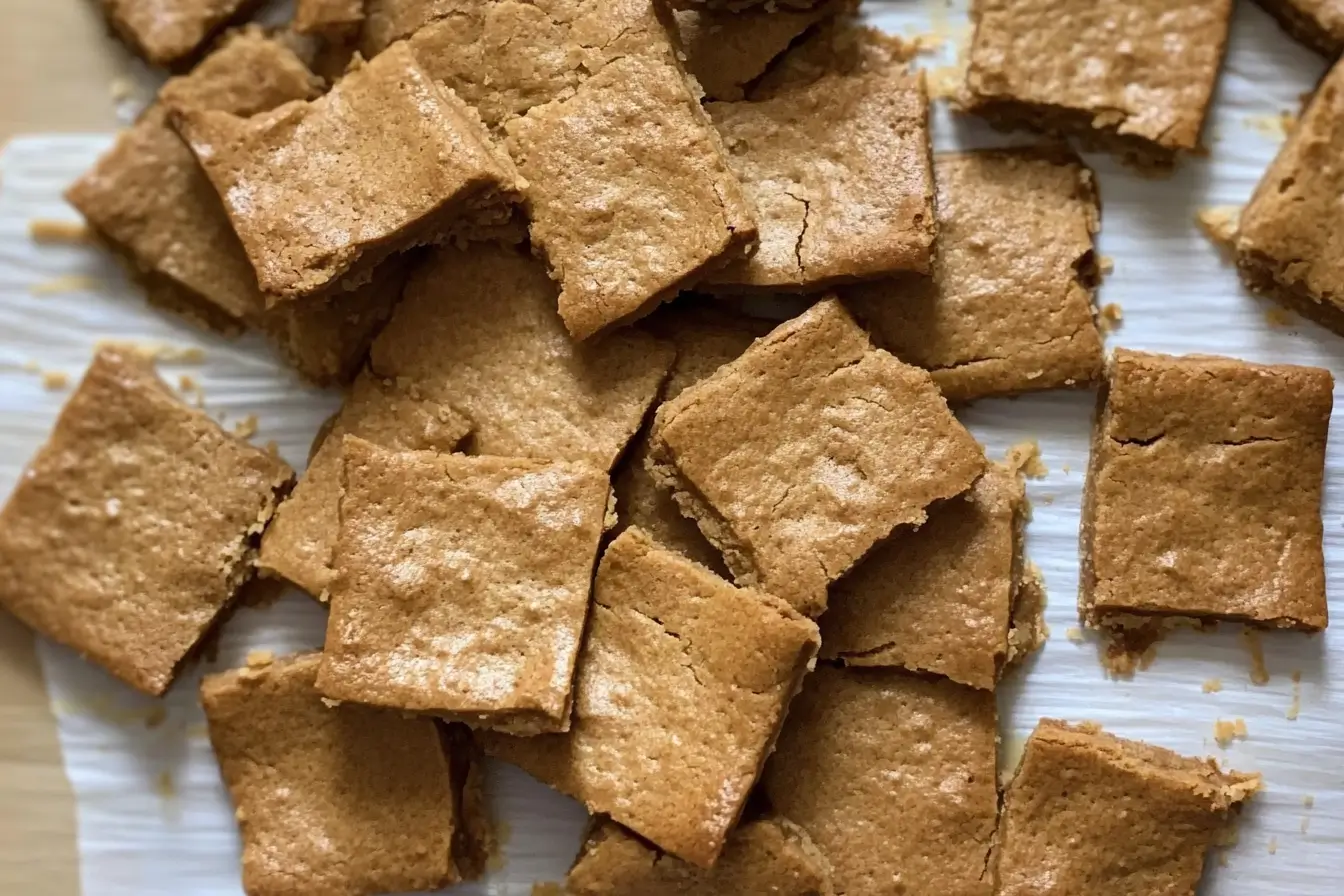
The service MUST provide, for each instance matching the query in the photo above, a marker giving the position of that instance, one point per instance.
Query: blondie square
(648, 206)
(939, 599)
(766, 856)
(1135, 77)
(170, 32)
(149, 200)
(298, 544)
(706, 337)
(478, 330)
(320, 192)
(1287, 246)
(1203, 495)
(135, 525)
(1009, 306)
(726, 51)
(842, 45)
(338, 799)
(799, 456)
(1317, 23)
(461, 584)
(893, 777)
(681, 689)
(840, 174)
(1098, 814)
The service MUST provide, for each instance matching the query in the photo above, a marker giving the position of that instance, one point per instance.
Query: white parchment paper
(153, 815)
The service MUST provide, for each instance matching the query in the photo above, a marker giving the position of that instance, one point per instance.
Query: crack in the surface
(1037, 343)
(802, 232)
(1142, 443)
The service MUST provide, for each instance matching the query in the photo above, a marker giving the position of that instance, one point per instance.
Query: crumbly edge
(1138, 152)
(474, 840)
(1263, 276)
(1087, 577)
(1303, 27)
(1027, 631)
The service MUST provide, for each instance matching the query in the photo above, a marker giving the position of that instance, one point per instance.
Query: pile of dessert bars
(744, 588)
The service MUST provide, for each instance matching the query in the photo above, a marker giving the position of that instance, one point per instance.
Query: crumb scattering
(246, 428)
(1213, 685)
(1225, 732)
(46, 231)
(1026, 457)
(66, 283)
(1259, 672)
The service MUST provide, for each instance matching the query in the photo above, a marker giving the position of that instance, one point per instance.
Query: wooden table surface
(56, 67)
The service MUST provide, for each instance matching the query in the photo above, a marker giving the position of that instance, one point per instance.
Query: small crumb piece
(1111, 315)
(1259, 673)
(1225, 732)
(1273, 845)
(164, 785)
(1105, 265)
(1287, 122)
(1278, 316)
(1026, 457)
(55, 380)
(68, 283)
(246, 428)
(120, 89)
(1074, 634)
(1219, 224)
(258, 658)
(156, 717)
(1295, 707)
(330, 703)
(41, 230)
(1308, 801)
(1213, 685)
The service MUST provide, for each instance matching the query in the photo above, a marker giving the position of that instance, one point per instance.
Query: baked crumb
(1276, 126)
(1225, 732)
(1074, 634)
(120, 89)
(1105, 265)
(45, 231)
(1308, 800)
(246, 428)
(156, 716)
(1277, 316)
(1110, 318)
(67, 283)
(1213, 685)
(330, 703)
(1026, 457)
(1259, 672)
(1219, 223)
(1295, 707)
(189, 386)
(1122, 660)
(164, 785)
(258, 658)
(1273, 846)
(55, 380)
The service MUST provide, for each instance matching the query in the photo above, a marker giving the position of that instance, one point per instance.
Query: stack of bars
(743, 588)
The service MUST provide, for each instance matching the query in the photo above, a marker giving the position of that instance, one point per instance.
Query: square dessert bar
(1009, 306)
(1135, 77)
(893, 777)
(840, 174)
(320, 192)
(461, 584)
(1099, 814)
(170, 32)
(706, 337)
(149, 200)
(681, 689)
(135, 525)
(767, 856)
(940, 599)
(646, 210)
(298, 544)
(842, 45)
(1287, 246)
(1317, 23)
(478, 329)
(340, 799)
(802, 454)
(1203, 495)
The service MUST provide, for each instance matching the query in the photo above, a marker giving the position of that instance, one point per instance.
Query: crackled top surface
(1204, 491)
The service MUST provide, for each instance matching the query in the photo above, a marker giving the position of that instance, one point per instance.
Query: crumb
(55, 380)
(1278, 316)
(156, 717)
(1047, 500)
(164, 786)
(1105, 265)
(1219, 224)
(1273, 845)
(1122, 660)
(168, 354)
(42, 230)
(1273, 126)
(330, 703)
(1308, 801)
(120, 89)
(258, 658)
(1295, 707)
(1259, 673)
(1213, 685)
(68, 283)
(246, 428)
(189, 386)
(1026, 457)
(1074, 634)
(1109, 320)
(1287, 122)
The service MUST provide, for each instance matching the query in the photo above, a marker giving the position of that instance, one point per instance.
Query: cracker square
(1009, 307)
(461, 584)
(1203, 495)
(681, 689)
(893, 777)
(338, 799)
(799, 456)
(134, 526)
(1094, 813)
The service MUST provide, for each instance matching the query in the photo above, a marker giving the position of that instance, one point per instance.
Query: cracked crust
(1107, 815)
(1145, 102)
(840, 174)
(682, 686)
(793, 504)
(862, 747)
(1203, 493)
(1010, 306)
